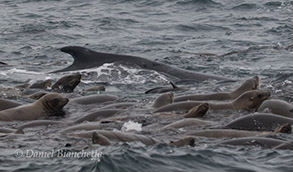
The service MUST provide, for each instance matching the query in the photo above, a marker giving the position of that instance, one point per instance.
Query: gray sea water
(235, 39)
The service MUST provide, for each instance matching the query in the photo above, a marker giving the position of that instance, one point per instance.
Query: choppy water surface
(236, 39)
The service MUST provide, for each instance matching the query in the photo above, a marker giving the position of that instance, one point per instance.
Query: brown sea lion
(279, 107)
(7, 104)
(250, 100)
(250, 84)
(48, 105)
(67, 83)
(254, 141)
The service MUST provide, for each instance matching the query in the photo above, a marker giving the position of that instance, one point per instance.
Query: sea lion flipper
(173, 85)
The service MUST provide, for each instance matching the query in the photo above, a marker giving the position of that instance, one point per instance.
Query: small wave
(201, 27)
(197, 2)
(245, 7)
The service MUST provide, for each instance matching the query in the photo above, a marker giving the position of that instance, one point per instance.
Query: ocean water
(235, 39)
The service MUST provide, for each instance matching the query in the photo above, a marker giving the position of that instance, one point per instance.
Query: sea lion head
(198, 111)
(251, 99)
(189, 140)
(164, 99)
(67, 83)
(53, 103)
(250, 84)
(100, 139)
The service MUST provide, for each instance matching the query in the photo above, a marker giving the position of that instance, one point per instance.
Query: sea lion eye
(291, 110)
(259, 96)
(55, 101)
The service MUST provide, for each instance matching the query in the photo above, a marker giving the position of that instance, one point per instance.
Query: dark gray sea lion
(285, 146)
(232, 133)
(48, 105)
(93, 99)
(84, 126)
(254, 141)
(279, 107)
(97, 88)
(42, 84)
(250, 100)
(121, 105)
(164, 89)
(41, 123)
(250, 84)
(117, 136)
(99, 114)
(67, 83)
(187, 122)
(85, 58)
(259, 122)
(188, 140)
(163, 100)
(7, 104)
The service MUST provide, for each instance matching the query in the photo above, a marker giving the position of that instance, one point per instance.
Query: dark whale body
(85, 58)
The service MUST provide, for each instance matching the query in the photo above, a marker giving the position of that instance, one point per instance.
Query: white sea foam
(131, 126)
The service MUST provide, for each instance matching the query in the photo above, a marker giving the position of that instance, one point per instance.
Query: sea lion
(254, 141)
(197, 111)
(121, 105)
(42, 84)
(164, 89)
(188, 140)
(279, 107)
(250, 100)
(37, 95)
(67, 83)
(97, 88)
(250, 84)
(163, 100)
(48, 105)
(7, 104)
(259, 122)
(99, 114)
(41, 123)
(93, 99)
(219, 133)
(116, 136)
(100, 139)
(187, 122)
(84, 126)
(37, 85)
(285, 146)
(85, 58)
